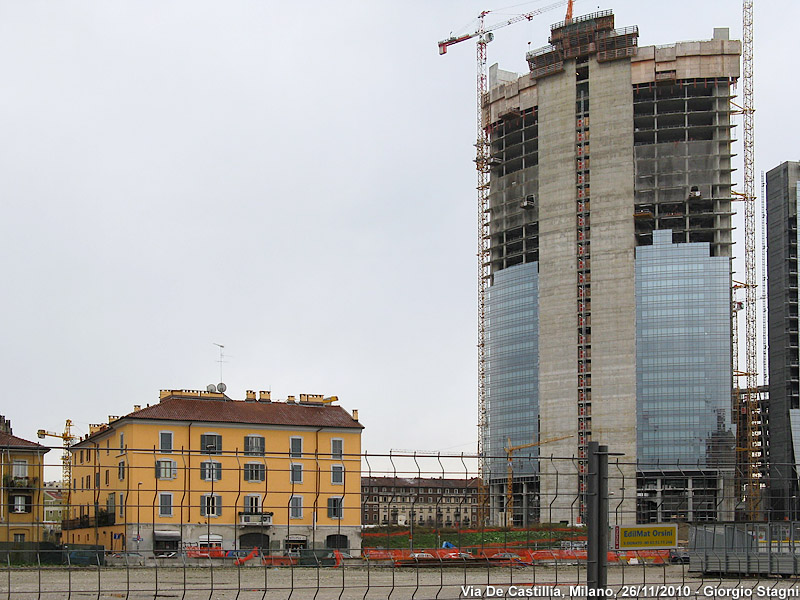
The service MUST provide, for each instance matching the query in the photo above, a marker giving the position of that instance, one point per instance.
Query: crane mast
(749, 411)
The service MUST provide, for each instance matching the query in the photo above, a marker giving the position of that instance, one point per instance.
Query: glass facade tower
(683, 356)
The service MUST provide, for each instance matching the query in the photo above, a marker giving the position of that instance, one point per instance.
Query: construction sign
(645, 537)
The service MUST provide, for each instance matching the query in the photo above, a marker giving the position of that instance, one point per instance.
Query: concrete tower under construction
(608, 305)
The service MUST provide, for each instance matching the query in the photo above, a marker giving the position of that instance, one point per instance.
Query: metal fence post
(597, 517)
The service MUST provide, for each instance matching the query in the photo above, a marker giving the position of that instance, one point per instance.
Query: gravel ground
(376, 582)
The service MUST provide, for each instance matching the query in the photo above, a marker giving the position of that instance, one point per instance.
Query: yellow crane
(67, 439)
(510, 477)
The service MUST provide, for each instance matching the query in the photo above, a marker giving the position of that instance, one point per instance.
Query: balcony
(103, 519)
(262, 519)
(20, 483)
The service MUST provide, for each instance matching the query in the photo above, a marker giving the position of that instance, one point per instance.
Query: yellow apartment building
(21, 504)
(200, 470)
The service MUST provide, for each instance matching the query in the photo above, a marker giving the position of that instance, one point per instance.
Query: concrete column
(613, 295)
(558, 370)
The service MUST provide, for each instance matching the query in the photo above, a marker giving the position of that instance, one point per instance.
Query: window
(21, 504)
(121, 470)
(252, 504)
(210, 505)
(337, 474)
(121, 504)
(211, 443)
(296, 447)
(254, 445)
(19, 537)
(121, 442)
(337, 449)
(297, 473)
(335, 508)
(19, 468)
(108, 447)
(164, 505)
(296, 507)
(254, 472)
(210, 470)
(107, 476)
(80, 457)
(97, 480)
(166, 469)
(165, 441)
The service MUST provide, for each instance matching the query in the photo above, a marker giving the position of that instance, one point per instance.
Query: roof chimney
(250, 396)
(263, 396)
(137, 407)
(290, 399)
(355, 414)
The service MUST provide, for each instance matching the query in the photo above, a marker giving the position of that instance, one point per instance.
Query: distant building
(200, 470)
(427, 501)
(54, 501)
(783, 199)
(21, 500)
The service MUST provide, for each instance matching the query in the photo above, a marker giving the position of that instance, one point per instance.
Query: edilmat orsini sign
(645, 537)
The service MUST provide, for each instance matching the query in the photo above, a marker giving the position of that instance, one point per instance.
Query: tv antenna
(221, 358)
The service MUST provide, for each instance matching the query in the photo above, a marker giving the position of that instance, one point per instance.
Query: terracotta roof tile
(236, 411)
(12, 441)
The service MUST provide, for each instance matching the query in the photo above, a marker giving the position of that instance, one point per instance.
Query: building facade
(21, 500)
(610, 180)
(200, 471)
(419, 501)
(783, 197)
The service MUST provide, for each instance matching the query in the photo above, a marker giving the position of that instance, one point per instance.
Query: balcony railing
(20, 483)
(103, 519)
(258, 518)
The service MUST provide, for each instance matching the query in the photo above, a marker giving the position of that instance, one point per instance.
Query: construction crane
(67, 439)
(484, 35)
(510, 475)
(749, 452)
(568, 18)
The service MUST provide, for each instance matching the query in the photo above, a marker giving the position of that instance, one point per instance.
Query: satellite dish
(211, 388)
(221, 387)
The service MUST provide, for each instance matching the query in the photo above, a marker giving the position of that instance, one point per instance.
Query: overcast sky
(292, 180)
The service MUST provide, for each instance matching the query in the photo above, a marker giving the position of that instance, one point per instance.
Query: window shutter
(218, 505)
(203, 505)
(174, 469)
(203, 442)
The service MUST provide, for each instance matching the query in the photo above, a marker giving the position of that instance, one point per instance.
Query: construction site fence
(389, 525)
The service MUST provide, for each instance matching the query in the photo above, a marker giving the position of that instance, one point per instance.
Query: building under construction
(608, 310)
(783, 200)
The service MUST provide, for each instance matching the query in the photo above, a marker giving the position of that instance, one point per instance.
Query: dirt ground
(374, 582)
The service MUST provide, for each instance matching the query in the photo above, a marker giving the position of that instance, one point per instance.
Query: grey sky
(293, 181)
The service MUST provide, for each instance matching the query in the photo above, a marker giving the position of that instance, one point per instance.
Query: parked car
(679, 556)
(459, 556)
(506, 556)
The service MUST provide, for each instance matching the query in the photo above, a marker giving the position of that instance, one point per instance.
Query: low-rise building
(428, 502)
(199, 470)
(21, 463)
(54, 501)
